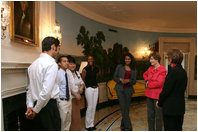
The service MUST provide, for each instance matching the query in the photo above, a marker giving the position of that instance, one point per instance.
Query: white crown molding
(82, 11)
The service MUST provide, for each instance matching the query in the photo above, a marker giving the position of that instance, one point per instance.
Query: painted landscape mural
(82, 36)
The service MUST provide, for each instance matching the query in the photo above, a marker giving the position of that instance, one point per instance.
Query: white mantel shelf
(14, 65)
(14, 78)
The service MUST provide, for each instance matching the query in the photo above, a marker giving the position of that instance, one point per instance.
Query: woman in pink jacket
(154, 78)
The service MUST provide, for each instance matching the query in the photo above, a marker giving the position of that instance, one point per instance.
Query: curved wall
(71, 21)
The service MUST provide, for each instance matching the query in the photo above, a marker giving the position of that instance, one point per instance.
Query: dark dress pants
(124, 98)
(173, 123)
(48, 119)
(154, 115)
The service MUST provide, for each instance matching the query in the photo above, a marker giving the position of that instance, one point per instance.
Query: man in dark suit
(172, 99)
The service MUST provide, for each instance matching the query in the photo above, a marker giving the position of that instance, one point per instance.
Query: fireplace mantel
(14, 78)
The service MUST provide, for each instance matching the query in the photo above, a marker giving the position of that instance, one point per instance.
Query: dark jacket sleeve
(116, 76)
(168, 87)
(133, 78)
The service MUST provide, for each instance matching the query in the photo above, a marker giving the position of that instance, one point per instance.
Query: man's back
(42, 72)
(42, 91)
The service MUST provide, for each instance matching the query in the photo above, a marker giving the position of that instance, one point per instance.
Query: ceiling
(154, 16)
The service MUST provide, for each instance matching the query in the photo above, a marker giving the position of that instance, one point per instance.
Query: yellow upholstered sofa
(139, 88)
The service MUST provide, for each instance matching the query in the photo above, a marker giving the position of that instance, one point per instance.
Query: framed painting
(24, 22)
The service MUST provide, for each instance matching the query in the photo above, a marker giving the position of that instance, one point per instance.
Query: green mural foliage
(154, 47)
(92, 45)
(107, 60)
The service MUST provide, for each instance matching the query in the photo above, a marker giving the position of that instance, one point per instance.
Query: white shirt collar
(46, 55)
(63, 70)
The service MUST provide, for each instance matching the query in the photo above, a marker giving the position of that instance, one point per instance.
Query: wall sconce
(145, 53)
(82, 65)
(57, 33)
(5, 15)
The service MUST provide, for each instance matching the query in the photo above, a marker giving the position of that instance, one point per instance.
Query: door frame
(190, 42)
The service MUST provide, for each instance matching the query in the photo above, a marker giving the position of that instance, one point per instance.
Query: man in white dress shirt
(43, 90)
(65, 83)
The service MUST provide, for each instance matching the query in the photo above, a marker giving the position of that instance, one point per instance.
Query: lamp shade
(82, 65)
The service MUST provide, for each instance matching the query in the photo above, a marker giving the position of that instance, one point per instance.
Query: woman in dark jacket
(171, 98)
(125, 76)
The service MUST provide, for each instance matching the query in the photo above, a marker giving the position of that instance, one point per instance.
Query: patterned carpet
(138, 115)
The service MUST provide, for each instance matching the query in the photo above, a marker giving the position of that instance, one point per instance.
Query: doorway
(185, 65)
(188, 48)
